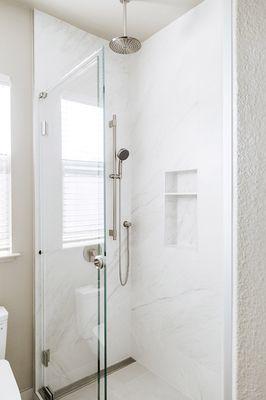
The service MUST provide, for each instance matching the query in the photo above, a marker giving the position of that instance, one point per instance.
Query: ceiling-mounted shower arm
(124, 2)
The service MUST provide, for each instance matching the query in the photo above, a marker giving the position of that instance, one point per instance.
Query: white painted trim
(9, 257)
(5, 79)
(27, 394)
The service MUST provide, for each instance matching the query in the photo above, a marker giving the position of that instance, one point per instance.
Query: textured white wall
(250, 51)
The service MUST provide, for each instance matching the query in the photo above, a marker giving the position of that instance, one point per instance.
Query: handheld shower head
(122, 155)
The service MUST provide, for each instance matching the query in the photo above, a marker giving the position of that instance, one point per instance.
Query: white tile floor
(131, 383)
(87, 393)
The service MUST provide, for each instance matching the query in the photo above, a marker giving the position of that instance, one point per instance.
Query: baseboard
(27, 394)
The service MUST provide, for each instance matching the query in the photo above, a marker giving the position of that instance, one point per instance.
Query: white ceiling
(104, 17)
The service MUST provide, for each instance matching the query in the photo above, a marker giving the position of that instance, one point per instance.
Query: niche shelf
(181, 194)
(181, 208)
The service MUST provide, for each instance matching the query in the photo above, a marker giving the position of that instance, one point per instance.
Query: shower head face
(123, 154)
(125, 45)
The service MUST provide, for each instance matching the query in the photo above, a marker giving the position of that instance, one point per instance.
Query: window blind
(5, 175)
(4, 203)
(83, 176)
(83, 201)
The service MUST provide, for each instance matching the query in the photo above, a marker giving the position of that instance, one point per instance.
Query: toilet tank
(87, 309)
(3, 331)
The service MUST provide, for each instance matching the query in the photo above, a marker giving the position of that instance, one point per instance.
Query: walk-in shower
(133, 212)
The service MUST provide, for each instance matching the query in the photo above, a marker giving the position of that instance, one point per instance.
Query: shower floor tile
(136, 382)
(86, 393)
(131, 383)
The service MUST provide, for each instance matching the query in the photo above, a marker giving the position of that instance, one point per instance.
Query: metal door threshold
(88, 380)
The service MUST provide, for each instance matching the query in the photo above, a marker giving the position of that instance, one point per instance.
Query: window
(83, 178)
(5, 170)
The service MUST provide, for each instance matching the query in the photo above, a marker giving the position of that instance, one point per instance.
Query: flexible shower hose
(122, 280)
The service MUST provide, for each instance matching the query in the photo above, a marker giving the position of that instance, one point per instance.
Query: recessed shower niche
(181, 208)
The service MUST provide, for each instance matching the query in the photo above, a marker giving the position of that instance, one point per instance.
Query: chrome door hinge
(46, 356)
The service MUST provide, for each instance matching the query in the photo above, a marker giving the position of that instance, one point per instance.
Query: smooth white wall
(177, 124)
(250, 123)
(16, 287)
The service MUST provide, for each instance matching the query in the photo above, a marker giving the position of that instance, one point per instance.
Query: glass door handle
(99, 262)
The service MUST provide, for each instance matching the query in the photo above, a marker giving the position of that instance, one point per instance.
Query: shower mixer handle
(127, 224)
(99, 262)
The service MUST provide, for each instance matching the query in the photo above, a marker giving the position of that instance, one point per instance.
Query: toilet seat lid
(8, 385)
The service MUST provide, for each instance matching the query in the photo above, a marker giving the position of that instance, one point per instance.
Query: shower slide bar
(114, 177)
(119, 156)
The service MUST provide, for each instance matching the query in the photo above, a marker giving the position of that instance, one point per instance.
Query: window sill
(87, 243)
(9, 257)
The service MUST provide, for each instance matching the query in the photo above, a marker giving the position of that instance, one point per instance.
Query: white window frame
(9, 255)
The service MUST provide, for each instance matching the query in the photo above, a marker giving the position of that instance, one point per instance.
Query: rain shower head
(123, 154)
(125, 44)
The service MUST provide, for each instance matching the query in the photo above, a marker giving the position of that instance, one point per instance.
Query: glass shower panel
(73, 233)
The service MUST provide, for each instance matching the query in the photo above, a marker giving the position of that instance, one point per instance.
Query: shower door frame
(39, 294)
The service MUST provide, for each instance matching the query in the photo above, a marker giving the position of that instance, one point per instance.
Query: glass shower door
(72, 200)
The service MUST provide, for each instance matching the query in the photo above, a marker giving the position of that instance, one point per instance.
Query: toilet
(8, 385)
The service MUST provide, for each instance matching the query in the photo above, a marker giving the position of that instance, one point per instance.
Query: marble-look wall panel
(168, 100)
(176, 122)
(58, 48)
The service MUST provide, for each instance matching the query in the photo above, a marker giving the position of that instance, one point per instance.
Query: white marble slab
(176, 125)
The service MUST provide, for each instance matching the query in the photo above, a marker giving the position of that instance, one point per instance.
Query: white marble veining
(177, 290)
